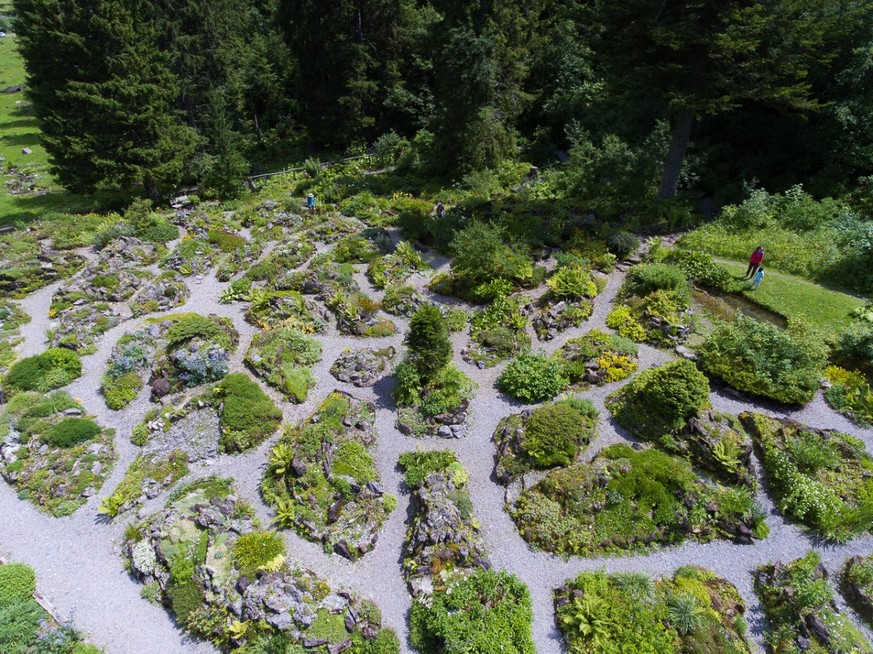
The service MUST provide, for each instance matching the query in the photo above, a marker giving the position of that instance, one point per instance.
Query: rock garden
(342, 432)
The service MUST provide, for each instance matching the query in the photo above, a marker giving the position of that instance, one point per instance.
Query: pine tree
(693, 58)
(103, 94)
(428, 342)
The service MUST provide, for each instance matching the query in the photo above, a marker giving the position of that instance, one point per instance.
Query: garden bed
(226, 579)
(322, 479)
(52, 452)
(818, 477)
(694, 611)
(629, 500)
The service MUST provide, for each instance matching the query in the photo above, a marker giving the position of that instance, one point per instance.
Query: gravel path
(80, 570)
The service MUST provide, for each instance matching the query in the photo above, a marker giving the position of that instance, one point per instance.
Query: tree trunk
(680, 135)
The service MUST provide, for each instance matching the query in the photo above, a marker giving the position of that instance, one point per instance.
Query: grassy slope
(794, 297)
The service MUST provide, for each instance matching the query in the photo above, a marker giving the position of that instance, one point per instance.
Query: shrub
(17, 583)
(255, 550)
(701, 269)
(446, 392)
(486, 612)
(660, 400)
(428, 341)
(192, 326)
(856, 344)
(622, 244)
(571, 282)
(622, 320)
(122, 390)
(248, 415)
(481, 255)
(759, 358)
(52, 369)
(647, 278)
(533, 378)
(554, 432)
(419, 465)
(71, 431)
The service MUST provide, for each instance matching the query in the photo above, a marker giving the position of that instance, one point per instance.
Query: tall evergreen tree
(103, 94)
(480, 54)
(348, 54)
(693, 58)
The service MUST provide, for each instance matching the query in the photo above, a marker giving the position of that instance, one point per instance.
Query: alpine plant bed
(322, 479)
(226, 579)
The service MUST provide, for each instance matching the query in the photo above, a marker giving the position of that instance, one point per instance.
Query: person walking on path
(310, 202)
(759, 277)
(755, 261)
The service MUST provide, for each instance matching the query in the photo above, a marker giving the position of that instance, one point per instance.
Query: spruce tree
(103, 94)
(429, 348)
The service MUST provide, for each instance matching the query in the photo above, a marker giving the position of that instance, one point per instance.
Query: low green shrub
(759, 358)
(248, 415)
(257, 549)
(659, 401)
(571, 282)
(17, 583)
(418, 465)
(796, 595)
(486, 612)
(648, 278)
(192, 326)
(622, 244)
(533, 378)
(855, 345)
(71, 431)
(553, 433)
(122, 390)
(52, 369)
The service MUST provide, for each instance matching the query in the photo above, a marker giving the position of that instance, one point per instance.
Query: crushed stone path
(78, 560)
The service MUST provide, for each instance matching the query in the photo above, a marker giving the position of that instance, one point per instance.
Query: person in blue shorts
(759, 277)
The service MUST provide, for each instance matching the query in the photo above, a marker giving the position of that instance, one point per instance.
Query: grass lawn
(19, 129)
(793, 297)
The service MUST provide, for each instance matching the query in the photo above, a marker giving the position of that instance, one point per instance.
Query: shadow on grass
(22, 209)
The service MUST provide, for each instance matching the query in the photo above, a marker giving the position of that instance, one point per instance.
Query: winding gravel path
(80, 570)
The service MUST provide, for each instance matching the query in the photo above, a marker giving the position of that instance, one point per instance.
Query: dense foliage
(659, 401)
(799, 606)
(820, 478)
(694, 612)
(52, 369)
(488, 611)
(759, 358)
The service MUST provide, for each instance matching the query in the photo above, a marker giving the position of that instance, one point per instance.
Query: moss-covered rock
(627, 499)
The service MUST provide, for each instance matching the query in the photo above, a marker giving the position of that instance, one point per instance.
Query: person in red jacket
(755, 262)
